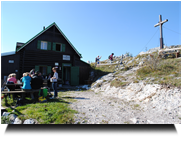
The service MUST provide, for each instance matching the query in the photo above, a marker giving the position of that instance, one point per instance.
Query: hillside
(149, 68)
(146, 81)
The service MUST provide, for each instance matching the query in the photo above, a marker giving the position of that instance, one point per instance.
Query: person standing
(54, 82)
(111, 57)
(97, 60)
(121, 60)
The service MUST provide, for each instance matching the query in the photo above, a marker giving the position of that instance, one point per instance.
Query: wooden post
(160, 23)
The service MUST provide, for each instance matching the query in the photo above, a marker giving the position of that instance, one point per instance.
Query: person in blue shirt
(26, 82)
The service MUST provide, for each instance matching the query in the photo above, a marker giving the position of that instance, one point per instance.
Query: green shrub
(5, 120)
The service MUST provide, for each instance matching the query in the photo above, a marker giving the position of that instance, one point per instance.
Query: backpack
(43, 92)
(42, 96)
(109, 57)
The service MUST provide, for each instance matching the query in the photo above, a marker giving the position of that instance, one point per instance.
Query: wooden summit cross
(160, 23)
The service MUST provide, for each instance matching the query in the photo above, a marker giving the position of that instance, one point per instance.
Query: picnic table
(13, 84)
(18, 91)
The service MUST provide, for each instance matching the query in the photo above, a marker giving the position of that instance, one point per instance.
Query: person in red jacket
(111, 57)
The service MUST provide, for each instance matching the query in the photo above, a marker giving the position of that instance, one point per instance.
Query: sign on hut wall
(11, 61)
(66, 57)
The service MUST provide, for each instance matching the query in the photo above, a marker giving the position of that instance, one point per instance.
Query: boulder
(141, 63)
(29, 121)
(12, 118)
(6, 114)
(108, 77)
(149, 122)
(98, 82)
(17, 121)
(132, 121)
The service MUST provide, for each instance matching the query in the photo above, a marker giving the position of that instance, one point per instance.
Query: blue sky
(94, 28)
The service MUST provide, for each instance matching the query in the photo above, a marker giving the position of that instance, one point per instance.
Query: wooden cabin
(49, 48)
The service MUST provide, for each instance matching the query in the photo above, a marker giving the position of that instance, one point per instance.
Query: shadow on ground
(76, 98)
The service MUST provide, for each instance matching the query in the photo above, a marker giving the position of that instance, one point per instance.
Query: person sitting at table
(12, 80)
(32, 71)
(26, 83)
(9, 77)
(36, 83)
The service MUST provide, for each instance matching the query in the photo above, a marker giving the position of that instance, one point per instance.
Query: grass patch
(117, 83)
(135, 81)
(163, 69)
(126, 122)
(55, 111)
(135, 107)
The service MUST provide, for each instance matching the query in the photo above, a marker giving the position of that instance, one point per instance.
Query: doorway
(66, 75)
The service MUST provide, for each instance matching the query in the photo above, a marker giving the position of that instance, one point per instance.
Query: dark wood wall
(84, 71)
(31, 55)
(7, 68)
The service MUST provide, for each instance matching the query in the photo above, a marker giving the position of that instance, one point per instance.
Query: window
(43, 70)
(43, 45)
(58, 47)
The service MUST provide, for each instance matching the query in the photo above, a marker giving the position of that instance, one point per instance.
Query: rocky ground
(137, 104)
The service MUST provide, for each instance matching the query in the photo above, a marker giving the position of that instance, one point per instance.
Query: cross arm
(161, 23)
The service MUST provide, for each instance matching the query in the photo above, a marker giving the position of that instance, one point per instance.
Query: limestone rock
(12, 118)
(132, 121)
(29, 121)
(141, 63)
(17, 121)
(149, 122)
(6, 114)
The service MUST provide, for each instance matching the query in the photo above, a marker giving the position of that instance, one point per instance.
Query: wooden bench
(173, 52)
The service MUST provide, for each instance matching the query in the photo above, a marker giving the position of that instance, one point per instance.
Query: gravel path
(96, 108)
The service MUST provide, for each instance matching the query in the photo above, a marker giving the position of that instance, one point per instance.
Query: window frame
(42, 44)
(61, 50)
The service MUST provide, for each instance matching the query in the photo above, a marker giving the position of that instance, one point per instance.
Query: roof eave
(68, 41)
(35, 37)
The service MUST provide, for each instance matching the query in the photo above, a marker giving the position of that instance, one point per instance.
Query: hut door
(74, 76)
